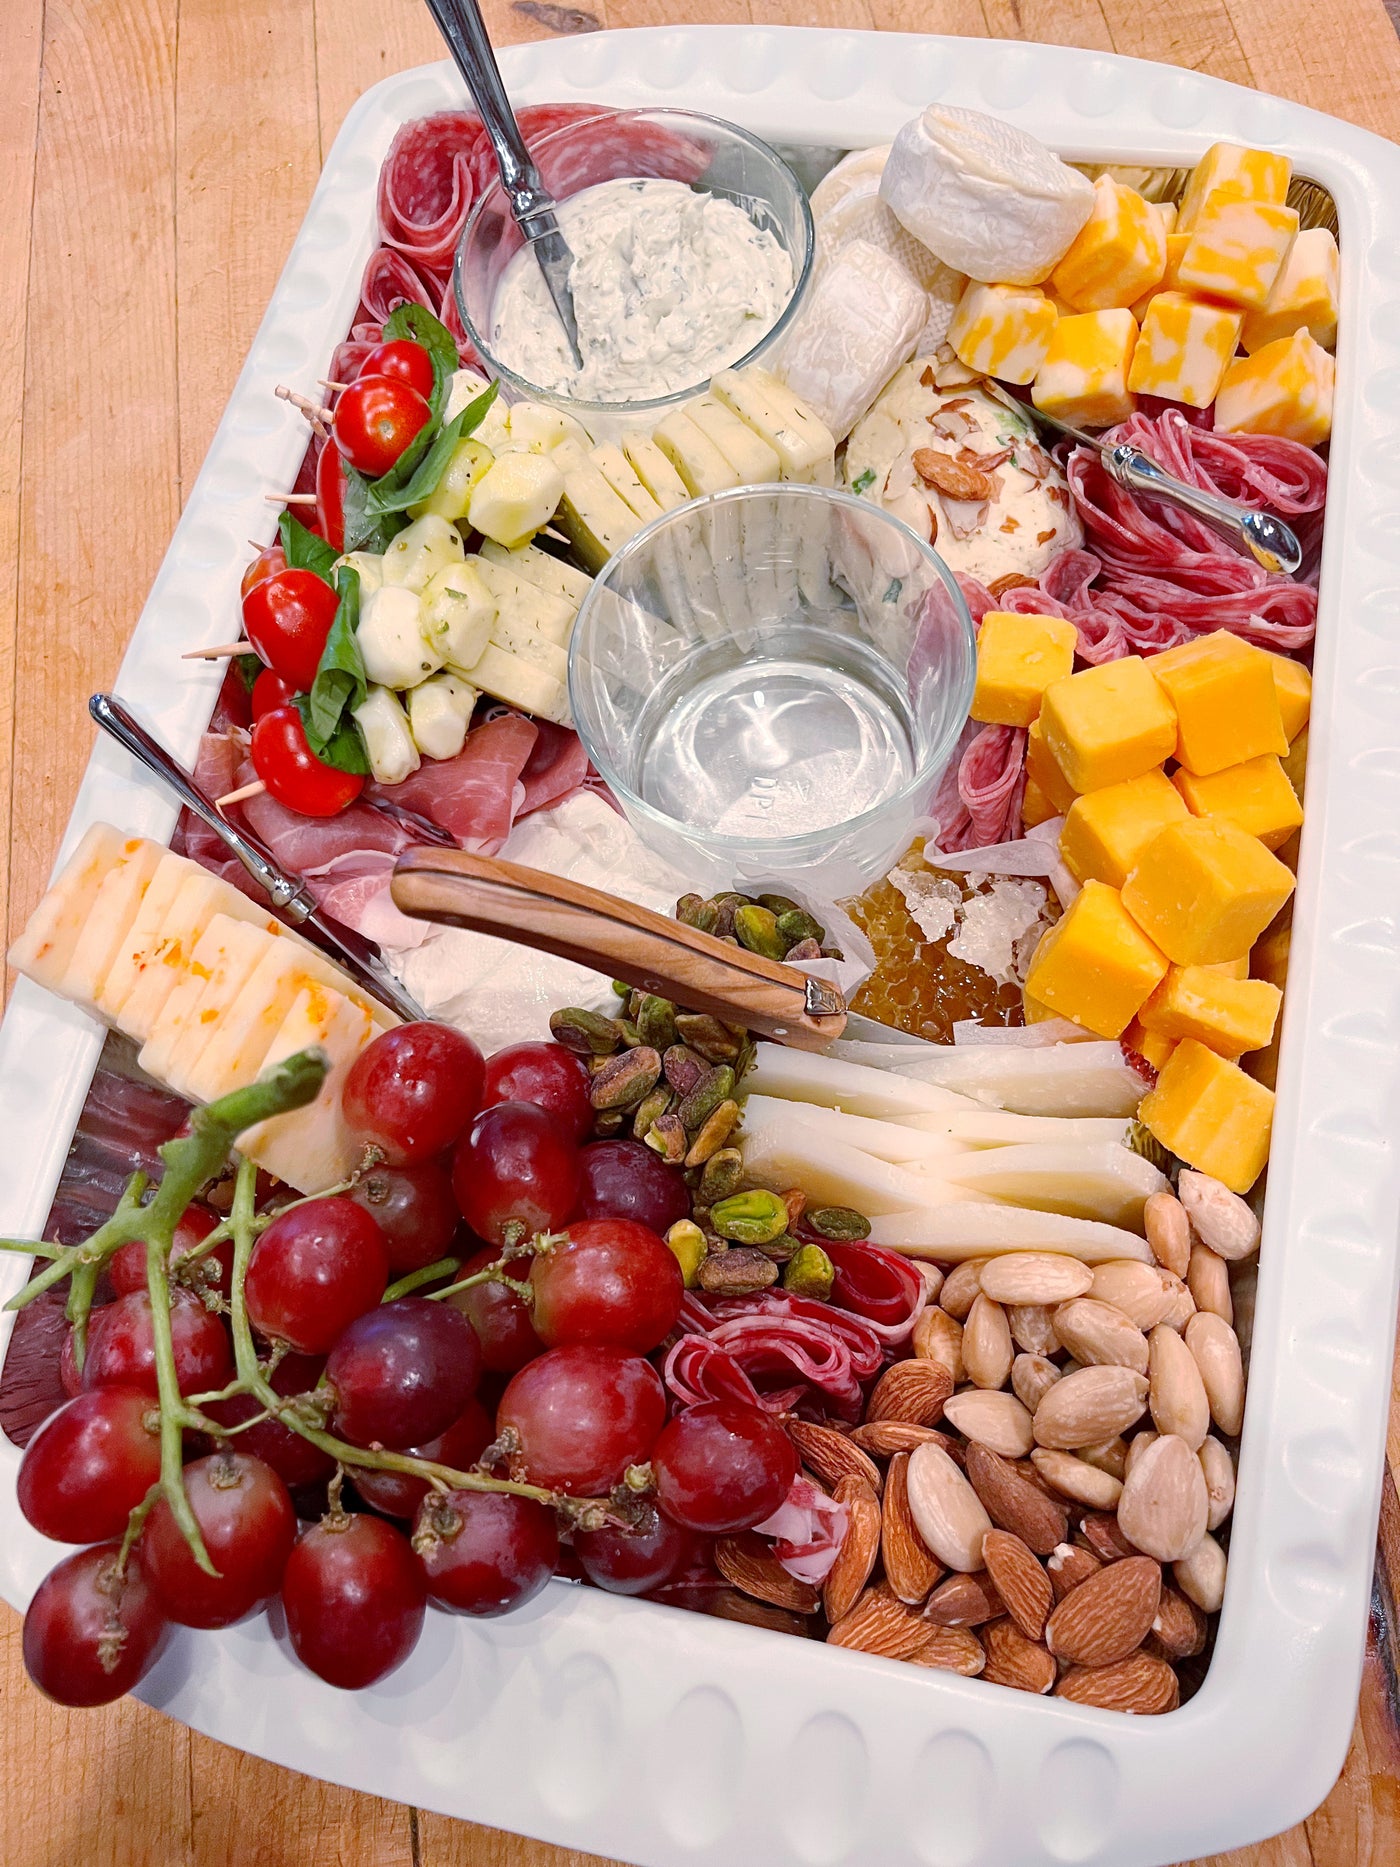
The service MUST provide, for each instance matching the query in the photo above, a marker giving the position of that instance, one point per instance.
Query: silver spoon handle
(464, 30)
(1268, 540)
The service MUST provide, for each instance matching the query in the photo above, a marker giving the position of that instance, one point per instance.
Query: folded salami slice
(426, 186)
(390, 280)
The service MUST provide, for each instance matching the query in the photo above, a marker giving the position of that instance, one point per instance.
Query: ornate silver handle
(1268, 540)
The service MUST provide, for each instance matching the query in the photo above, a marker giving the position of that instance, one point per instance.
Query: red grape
(612, 1282)
(402, 1373)
(127, 1267)
(626, 1180)
(354, 1598)
(90, 1464)
(553, 1078)
(635, 1560)
(517, 1167)
(121, 1348)
(583, 1415)
(490, 1551)
(314, 1270)
(294, 1459)
(415, 1210)
(413, 1090)
(88, 1638)
(246, 1519)
(398, 1494)
(722, 1467)
(502, 1322)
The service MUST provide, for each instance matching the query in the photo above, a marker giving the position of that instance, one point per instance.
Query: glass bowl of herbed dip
(692, 244)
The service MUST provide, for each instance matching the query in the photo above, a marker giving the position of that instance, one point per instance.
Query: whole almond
(953, 1650)
(728, 1604)
(1069, 1565)
(1014, 1660)
(1181, 1308)
(1208, 1279)
(1101, 1534)
(1089, 1405)
(1110, 1456)
(1039, 1277)
(1222, 1219)
(1143, 1292)
(1164, 1505)
(995, 1420)
(859, 1547)
(748, 1564)
(1072, 1478)
(1141, 1683)
(1031, 1329)
(938, 1337)
(883, 1438)
(880, 1623)
(1200, 1575)
(1168, 1231)
(1178, 1625)
(1215, 1349)
(913, 1391)
(1098, 1335)
(947, 1511)
(1031, 1377)
(960, 1288)
(1109, 1616)
(1219, 1469)
(1137, 1445)
(987, 1348)
(910, 1570)
(831, 1455)
(964, 1601)
(932, 1275)
(1020, 1581)
(1176, 1394)
(1013, 1502)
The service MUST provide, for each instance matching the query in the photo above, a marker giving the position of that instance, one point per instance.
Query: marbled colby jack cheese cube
(1286, 388)
(1002, 330)
(1304, 295)
(1258, 174)
(1237, 249)
(1118, 254)
(1084, 378)
(1184, 349)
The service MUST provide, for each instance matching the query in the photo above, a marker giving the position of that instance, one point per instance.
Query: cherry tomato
(266, 564)
(330, 496)
(404, 360)
(375, 419)
(269, 692)
(287, 619)
(293, 773)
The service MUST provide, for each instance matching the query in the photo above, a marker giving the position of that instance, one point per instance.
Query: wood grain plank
(964, 19)
(1198, 34)
(248, 1813)
(1050, 22)
(445, 1843)
(1351, 68)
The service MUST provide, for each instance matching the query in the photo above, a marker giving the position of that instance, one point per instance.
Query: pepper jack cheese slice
(43, 950)
(1184, 349)
(1256, 174)
(1237, 249)
(1285, 389)
(1118, 254)
(114, 907)
(1084, 378)
(1304, 295)
(1002, 330)
(311, 1148)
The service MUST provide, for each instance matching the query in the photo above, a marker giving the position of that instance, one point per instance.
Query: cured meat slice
(426, 186)
(991, 779)
(808, 1529)
(392, 279)
(303, 845)
(477, 795)
(556, 768)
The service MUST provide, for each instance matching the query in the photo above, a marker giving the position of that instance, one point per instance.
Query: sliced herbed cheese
(681, 558)
(521, 639)
(542, 569)
(219, 967)
(114, 907)
(751, 456)
(1105, 1183)
(694, 455)
(787, 1151)
(620, 475)
(596, 520)
(198, 900)
(44, 949)
(526, 604)
(311, 1148)
(145, 933)
(805, 1076)
(704, 470)
(521, 684)
(756, 463)
(805, 446)
(952, 1233)
(655, 471)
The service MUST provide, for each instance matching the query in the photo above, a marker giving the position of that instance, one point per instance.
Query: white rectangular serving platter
(664, 1737)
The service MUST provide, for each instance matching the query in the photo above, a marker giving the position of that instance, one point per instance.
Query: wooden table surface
(156, 158)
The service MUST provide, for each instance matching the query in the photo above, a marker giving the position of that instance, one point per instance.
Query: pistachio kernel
(666, 1137)
(683, 1068)
(650, 1109)
(758, 931)
(695, 911)
(622, 989)
(611, 1122)
(707, 1036)
(586, 1033)
(720, 1176)
(751, 1218)
(736, 1273)
(839, 1223)
(714, 1087)
(714, 1131)
(656, 1021)
(805, 949)
(631, 1036)
(687, 1241)
(778, 904)
(623, 1081)
(781, 1248)
(797, 925)
(809, 1272)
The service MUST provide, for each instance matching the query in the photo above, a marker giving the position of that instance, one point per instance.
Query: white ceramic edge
(663, 1737)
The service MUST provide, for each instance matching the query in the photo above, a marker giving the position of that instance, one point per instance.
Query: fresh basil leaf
(302, 549)
(340, 681)
(386, 498)
(345, 749)
(367, 528)
(247, 668)
(419, 324)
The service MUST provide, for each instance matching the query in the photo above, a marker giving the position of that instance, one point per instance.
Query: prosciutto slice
(475, 796)
(556, 768)
(808, 1529)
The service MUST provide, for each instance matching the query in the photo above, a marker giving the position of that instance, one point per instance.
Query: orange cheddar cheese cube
(1294, 686)
(1204, 890)
(1035, 806)
(1231, 968)
(1184, 348)
(1002, 330)
(1106, 831)
(1107, 724)
(1096, 965)
(1118, 254)
(1237, 249)
(1017, 658)
(1304, 295)
(1084, 378)
(1222, 691)
(1295, 766)
(1257, 174)
(1228, 1016)
(1043, 771)
(1286, 389)
(1255, 794)
(1151, 1046)
(1207, 1110)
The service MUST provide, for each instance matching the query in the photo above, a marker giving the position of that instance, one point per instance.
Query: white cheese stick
(949, 1234)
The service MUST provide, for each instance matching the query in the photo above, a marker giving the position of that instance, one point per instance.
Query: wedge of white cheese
(43, 951)
(114, 907)
(311, 1148)
(220, 965)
